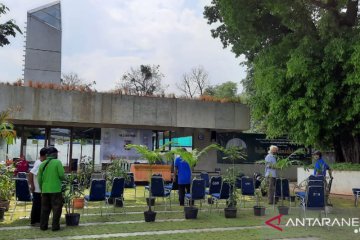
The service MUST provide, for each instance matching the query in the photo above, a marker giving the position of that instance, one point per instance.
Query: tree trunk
(347, 148)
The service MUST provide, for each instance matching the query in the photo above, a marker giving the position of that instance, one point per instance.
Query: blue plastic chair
(285, 189)
(205, 176)
(247, 188)
(318, 180)
(117, 190)
(314, 199)
(223, 195)
(215, 185)
(197, 191)
(22, 193)
(130, 182)
(22, 175)
(158, 189)
(97, 193)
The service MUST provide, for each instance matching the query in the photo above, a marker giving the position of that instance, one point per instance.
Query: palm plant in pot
(71, 190)
(115, 169)
(232, 154)
(152, 156)
(192, 158)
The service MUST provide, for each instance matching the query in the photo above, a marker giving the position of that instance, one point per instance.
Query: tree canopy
(224, 90)
(145, 80)
(8, 28)
(303, 59)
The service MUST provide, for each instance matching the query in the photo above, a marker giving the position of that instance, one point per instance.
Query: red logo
(278, 217)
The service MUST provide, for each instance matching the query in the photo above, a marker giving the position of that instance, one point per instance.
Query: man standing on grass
(35, 189)
(183, 171)
(270, 171)
(51, 173)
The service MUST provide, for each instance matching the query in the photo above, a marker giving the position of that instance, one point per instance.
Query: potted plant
(231, 154)
(152, 156)
(192, 158)
(259, 210)
(71, 190)
(7, 185)
(115, 169)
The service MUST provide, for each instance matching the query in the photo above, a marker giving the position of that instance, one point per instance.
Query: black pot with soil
(118, 202)
(152, 201)
(230, 212)
(2, 213)
(259, 211)
(191, 212)
(5, 204)
(283, 210)
(72, 219)
(150, 216)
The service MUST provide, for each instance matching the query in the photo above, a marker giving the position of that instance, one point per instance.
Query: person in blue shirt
(183, 172)
(270, 171)
(321, 166)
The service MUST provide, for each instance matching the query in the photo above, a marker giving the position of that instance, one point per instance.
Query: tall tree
(8, 28)
(145, 80)
(304, 58)
(195, 82)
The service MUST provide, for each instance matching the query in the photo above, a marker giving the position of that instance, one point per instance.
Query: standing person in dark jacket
(183, 171)
(51, 173)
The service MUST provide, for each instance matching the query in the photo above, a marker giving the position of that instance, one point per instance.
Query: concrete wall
(71, 108)
(343, 181)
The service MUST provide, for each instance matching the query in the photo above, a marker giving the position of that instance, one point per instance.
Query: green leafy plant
(7, 185)
(116, 169)
(232, 154)
(7, 131)
(152, 156)
(71, 190)
(85, 171)
(192, 157)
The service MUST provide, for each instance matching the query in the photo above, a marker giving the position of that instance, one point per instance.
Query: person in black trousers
(35, 189)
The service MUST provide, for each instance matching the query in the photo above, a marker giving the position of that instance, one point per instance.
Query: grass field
(129, 224)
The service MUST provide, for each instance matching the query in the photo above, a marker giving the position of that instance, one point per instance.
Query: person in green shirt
(51, 173)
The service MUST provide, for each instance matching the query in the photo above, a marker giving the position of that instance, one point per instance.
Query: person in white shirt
(35, 189)
(270, 171)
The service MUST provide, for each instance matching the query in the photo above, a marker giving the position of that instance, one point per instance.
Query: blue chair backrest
(22, 190)
(157, 187)
(238, 182)
(97, 190)
(285, 188)
(117, 189)
(130, 183)
(198, 189)
(21, 175)
(247, 186)
(225, 190)
(205, 176)
(316, 180)
(215, 184)
(315, 197)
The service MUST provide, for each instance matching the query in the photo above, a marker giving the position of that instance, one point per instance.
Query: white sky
(102, 39)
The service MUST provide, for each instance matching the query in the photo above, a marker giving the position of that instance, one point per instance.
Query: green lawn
(343, 207)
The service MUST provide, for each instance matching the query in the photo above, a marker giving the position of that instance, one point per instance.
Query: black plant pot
(152, 201)
(119, 202)
(2, 213)
(150, 216)
(283, 210)
(111, 200)
(259, 211)
(72, 219)
(210, 200)
(191, 212)
(230, 212)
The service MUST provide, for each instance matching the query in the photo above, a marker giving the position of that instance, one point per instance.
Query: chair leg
(12, 215)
